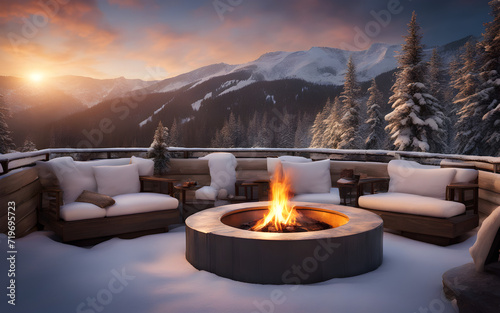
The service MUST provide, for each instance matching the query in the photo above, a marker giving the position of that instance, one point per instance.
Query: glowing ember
(282, 216)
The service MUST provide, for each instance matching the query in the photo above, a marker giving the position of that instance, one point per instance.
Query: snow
(196, 105)
(150, 118)
(151, 274)
(270, 98)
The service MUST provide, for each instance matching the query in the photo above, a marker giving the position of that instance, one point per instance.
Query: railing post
(5, 166)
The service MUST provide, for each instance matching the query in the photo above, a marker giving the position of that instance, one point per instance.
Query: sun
(36, 77)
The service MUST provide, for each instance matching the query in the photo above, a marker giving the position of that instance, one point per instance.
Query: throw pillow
(146, 166)
(95, 198)
(310, 177)
(274, 164)
(117, 180)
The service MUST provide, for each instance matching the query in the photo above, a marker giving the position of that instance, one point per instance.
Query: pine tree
(302, 134)
(319, 126)
(6, 143)
(485, 103)
(28, 145)
(175, 140)
(252, 130)
(465, 82)
(159, 150)
(437, 88)
(286, 131)
(376, 136)
(349, 123)
(333, 131)
(264, 134)
(416, 122)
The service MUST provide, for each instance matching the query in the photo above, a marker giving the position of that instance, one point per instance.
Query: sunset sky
(159, 39)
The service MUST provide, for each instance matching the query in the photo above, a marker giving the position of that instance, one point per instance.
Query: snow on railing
(15, 160)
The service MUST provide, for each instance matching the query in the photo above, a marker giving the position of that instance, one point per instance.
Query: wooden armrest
(158, 178)
(54, 204)
(463, 186)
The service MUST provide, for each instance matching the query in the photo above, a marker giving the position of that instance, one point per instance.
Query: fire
(281, 213)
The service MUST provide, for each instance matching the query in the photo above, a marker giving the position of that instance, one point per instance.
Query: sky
(154, 39)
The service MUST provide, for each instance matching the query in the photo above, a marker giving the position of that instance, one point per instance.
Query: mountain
(297, 83)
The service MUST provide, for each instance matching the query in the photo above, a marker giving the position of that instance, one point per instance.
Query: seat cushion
(206, 193)
(81, 211)
(411, 204)
(141, 202)
(332, 197)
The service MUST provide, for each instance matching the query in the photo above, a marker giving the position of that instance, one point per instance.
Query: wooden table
(348, 186)
(191, 207)
(248, 186)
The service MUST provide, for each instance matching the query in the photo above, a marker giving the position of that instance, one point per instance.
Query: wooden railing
(16, 160)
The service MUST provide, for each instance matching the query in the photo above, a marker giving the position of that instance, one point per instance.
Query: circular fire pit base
(284, 258)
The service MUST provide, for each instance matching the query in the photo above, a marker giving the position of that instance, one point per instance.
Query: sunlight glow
(36, 77)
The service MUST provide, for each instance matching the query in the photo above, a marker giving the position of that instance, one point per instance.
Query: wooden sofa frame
(90, 231)
(439, 231)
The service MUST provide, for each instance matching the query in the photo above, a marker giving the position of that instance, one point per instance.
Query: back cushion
(117, 180)
(222, 171)
(146, 166)
(465, 175)
(273, 163)
(310, 177)
(73, 178)
(430, 182)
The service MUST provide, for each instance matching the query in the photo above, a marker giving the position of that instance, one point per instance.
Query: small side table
(353, 188)
(191, 207)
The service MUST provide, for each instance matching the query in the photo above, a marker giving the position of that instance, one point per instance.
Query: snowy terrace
(151, 274)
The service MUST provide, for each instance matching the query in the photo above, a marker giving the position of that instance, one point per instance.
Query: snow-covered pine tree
(486, 136)
(286, 131)
(416, 122)
(28, 145)
(302, 134)
(6, 143)
(349, 123)
(376, 136)
(466, 81)
(159, 150)
(319, 126)
(252, 130)
(333, 131)
(175, 140)
(437, 88)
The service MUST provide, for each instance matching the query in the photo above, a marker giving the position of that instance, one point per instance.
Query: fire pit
(352, 246)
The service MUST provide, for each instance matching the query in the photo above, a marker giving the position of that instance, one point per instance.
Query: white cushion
(222, 170)
(104, 162)
(312, 177)
(411, 204)
(81, 211)
(146, 166)
(406, 178)
(464, 175)
(206, 193)
(73, 178)
(332, 197)
(133, 203)
(117, 180)
(273, 163)
(485, 236)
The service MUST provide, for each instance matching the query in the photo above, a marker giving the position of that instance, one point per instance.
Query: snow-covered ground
(151, 274)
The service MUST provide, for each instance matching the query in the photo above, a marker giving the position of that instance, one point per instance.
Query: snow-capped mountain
(318, 65)
(90, 91)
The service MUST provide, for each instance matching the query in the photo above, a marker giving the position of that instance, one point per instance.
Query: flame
(281, 213)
